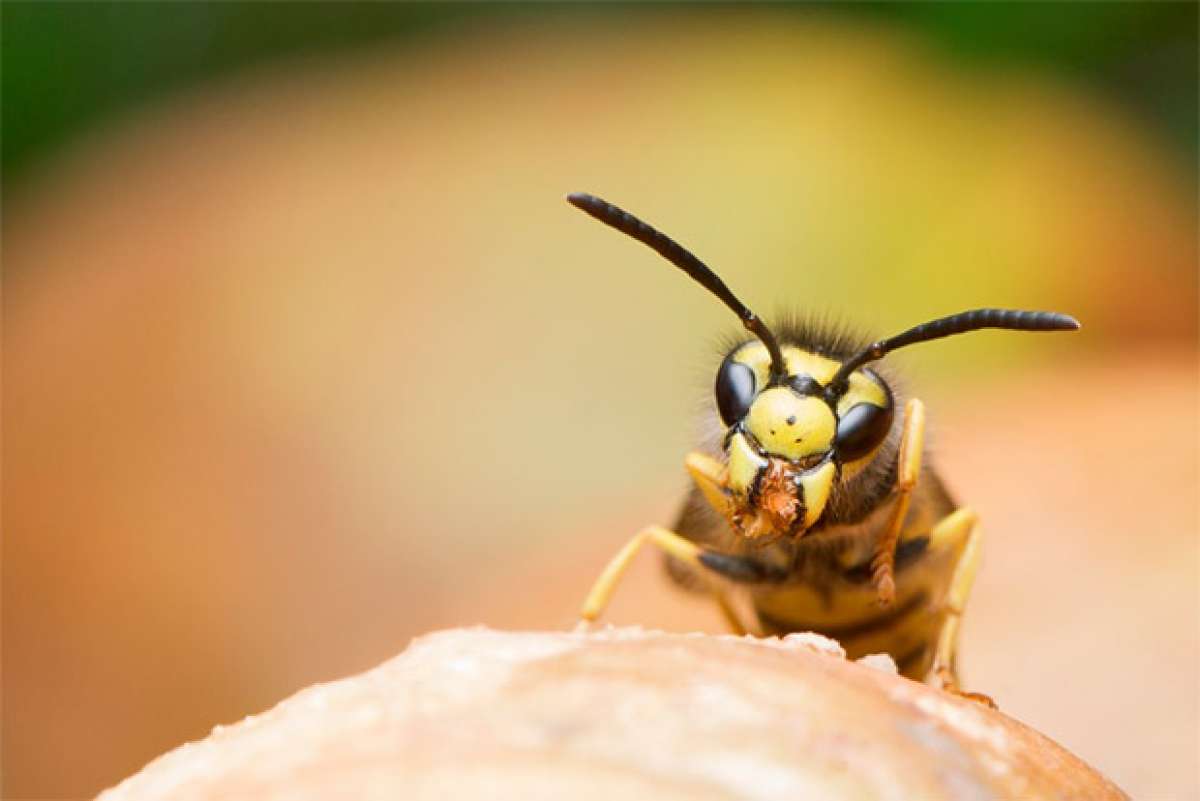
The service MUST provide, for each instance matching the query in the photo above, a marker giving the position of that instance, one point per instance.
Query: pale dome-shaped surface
(621, 713)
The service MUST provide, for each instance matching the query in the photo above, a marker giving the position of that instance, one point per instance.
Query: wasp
(813, 506)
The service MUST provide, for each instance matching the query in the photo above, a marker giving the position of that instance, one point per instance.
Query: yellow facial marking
(817, 486)
(862, 389)
(754, 355)
(744, 464)
(791, 426)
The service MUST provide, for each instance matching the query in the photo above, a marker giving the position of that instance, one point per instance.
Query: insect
(810, 505)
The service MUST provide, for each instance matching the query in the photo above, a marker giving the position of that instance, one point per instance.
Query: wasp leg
(957, 532)
(730, 614)
(706, 472)
(908, 468)
(682, 549)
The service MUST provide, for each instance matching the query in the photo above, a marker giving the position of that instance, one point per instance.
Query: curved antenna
(961, 323)
(675, 253)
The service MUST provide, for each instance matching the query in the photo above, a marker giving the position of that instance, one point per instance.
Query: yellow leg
(908, 468)
(707, 473)
(956, 533)
(682, 549)
(729, 613)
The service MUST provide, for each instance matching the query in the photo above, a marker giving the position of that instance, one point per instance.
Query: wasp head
(790, 434)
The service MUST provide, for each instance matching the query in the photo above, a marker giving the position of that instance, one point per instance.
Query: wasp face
(788, 441)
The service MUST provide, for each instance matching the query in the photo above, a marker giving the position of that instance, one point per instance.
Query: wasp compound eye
(861, 430)
(735, 391)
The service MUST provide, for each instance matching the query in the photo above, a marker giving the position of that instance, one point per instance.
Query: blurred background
(296, 321)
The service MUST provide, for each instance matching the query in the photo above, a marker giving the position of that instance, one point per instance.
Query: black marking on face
(791, 421)
(755, 485)
(805, 384)
(801, 509)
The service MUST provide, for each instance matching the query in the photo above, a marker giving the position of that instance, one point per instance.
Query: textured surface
(621, 713)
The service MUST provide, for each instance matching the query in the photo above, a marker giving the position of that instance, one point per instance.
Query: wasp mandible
(813, 503)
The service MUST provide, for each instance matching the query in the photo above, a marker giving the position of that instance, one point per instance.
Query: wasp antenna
(682, 258)
(961, 323)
